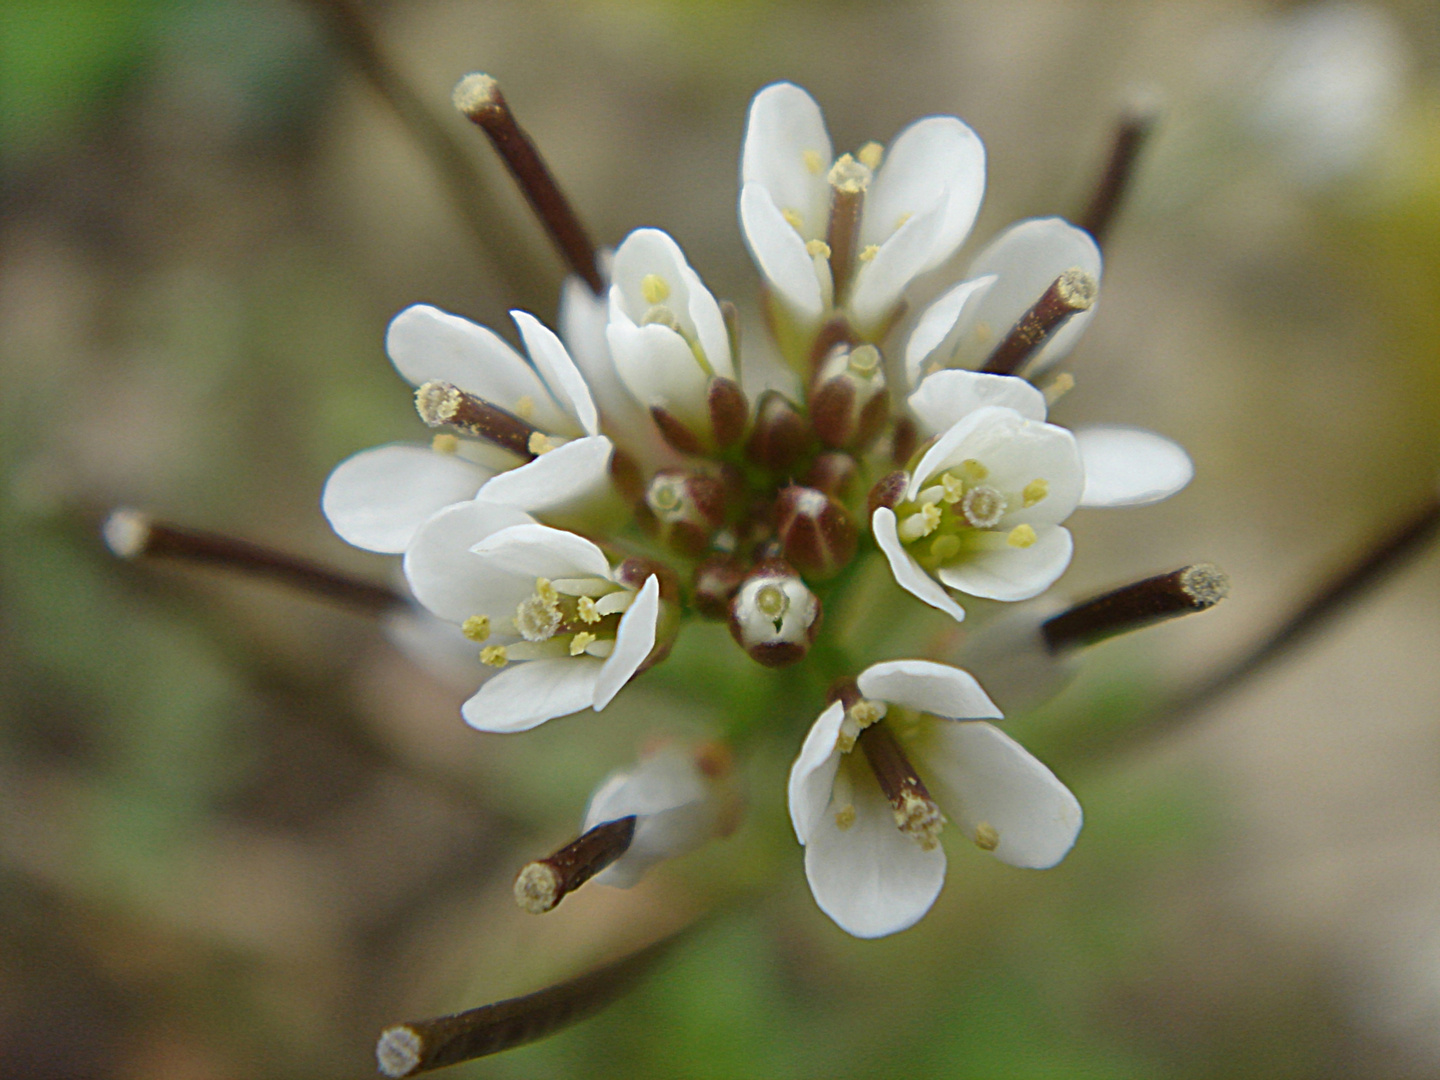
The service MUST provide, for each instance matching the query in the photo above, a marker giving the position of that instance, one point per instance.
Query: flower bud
(888, 491)
(774, 616)
(729, 410)
(848, 402)
(633, 573)
(834, 473)
(715, 583)
(781, 434)
(683, 509)
(817, 533)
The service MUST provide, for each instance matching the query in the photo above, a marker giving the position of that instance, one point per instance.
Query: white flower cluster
(579, 506)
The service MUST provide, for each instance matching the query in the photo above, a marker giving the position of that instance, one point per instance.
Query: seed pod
(815, 530)
(774, 616)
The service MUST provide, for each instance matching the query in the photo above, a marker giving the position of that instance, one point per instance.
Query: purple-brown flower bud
(904, 437)
(729, 410)
(834, 473)
(817, 533)
(683, 509)
(887, 491)
(714, 585)
(675, 432)
(781, 435)
(848, 401)
(774, 616)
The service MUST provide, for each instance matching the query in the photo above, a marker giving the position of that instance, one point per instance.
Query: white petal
(527, 694)
(947, 397)
(658, 368)
(379, 497)
(568, 475)
(1027, 258)
(531, 551)
(427, 344)
(559, 371)
(986, 776)
(1127, 466)
(779, 252)
(871, 878)
(901, 258)
(642, 253)
(938, 689)
(1013, 573)
(784, 125)
(445, 576)
(934, 326)
(633, 641)
(909, 574)
(814, 771)
(670, 800)
(935, 162)
(709, 326)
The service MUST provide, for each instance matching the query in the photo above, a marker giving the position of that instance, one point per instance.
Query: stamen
(580, 642)
(848, 180)
(661, 315)
(921, 523)
(1191, 588)
(973, 471)
(845, 817)
(444, 443)
(443, 403)
(986, 836)
(916, 814)
(476, 627)
(1035, 491)
(131, 534)
(1057, 388)
(524, 407)
(545, 882)
(1072, 292)
(817, 249)
(858, 717)
(983, 507)
(655, 289)
(1022, 536)
(586, 610)
(954, 488)
(794, 220)
(870, 155)
(814, 163)
(494, 656)
(479, 98)
(868, 252)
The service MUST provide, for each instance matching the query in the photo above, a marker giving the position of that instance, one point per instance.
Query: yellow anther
(868, 252)
(954, 488)
(793, 219)
(546, 591)
(902, 219)
(654, 288)
(494, 656)
(1058, 387)
(540, 443)
(986, 838)
(973, 471)
(921, 523)
(1021, 536)
(580, 642)
(982, 331)
(817, 247)
(813, 161)
(476, 627)
(585, 608)
(444, 443)
(845, 817)
(870, 155)
(945, 547)
(525, 407)
(1035, 490)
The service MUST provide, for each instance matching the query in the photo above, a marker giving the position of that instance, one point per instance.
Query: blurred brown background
(240, 832)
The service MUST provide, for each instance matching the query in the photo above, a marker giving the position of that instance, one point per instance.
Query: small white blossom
(542, 605)
(919, 203)
(982, 511)
(876, 868)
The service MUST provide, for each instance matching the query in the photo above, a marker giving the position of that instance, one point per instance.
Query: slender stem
(421, 1045)
(1131, 134)
(478, 98)
(1191, 588)
(545, 882)
(132, 535)
(1070, 293)
(499, 243)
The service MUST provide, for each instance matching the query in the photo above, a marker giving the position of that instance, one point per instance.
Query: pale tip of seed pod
(436, 402)
(537, 888)
(1206, 584)
(1077, 288)
(398, 1051)
(126, 532)
(476, 93)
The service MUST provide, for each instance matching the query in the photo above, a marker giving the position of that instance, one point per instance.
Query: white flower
(872, 856)
(677, 807)
(380, 497)
(917, 206)
(964, 325)
(546, 605)
(982, 511)
(1124, 466)
(666, 332)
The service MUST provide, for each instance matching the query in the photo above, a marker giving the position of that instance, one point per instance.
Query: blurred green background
(240, 832)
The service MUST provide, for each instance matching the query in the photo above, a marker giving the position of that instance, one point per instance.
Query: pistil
(545, 882)
(916, 814)
(443, 404)
(848, 180)
(1191, 588)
